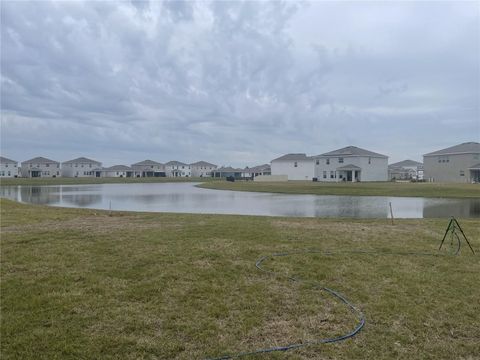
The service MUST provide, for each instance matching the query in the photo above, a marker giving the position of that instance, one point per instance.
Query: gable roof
(40, 160)
(174, 162)
(4, 160)
(147, 163)
(118, 168)
(202, 163)
(229, 169)
(292, 157)
(406, 163)
(259, 168)
(353, 151)
(349, 167)
(464, 148)
(81, 160)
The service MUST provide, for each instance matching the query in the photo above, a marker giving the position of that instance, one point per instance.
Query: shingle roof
(4, 160)
(202, 163)
(352, 151)
(147, 163)
(405, 163)
(349, 167)
(174, 162)
(118, 168)
(229, 169)
(259, 168)
(40, 160)
(290, 157)
(81, 160)
(465, 148)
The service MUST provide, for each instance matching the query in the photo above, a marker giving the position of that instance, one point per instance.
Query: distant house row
(84, 167)
(459, 163)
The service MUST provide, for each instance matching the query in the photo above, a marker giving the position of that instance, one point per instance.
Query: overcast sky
(236, 83)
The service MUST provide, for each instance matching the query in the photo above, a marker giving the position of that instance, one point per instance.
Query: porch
(351, 173)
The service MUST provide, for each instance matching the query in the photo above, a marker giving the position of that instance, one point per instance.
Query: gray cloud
(236, 82)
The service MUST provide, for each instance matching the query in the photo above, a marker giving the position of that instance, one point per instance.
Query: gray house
(149, 168)
(40, 167)
(459, 163)
(351, 163)
(80, 167)
(202, 169)
(8, 168)
(405, 170)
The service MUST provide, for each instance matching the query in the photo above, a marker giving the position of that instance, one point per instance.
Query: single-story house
(405, 170)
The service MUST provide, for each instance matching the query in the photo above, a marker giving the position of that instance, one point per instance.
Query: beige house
(40, 167)
(202, 169)
(149, 168)
(8, 168)
(459, 163)
(80, 167)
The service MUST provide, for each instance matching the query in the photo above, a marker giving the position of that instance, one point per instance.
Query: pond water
(186, 198)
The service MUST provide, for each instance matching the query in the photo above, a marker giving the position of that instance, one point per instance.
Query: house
(40, 167)
(80, 167)
(8, 168)
(115, 171)
(294, 166)
(149, 168)
(351, 163)
(459, 163)
(202, 169)
(228, 171)
(405, 170)
(177, 169)
(253, 172)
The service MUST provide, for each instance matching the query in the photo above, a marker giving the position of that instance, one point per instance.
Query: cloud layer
(236, 82)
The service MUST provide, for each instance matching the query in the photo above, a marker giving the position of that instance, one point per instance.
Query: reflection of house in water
(82, 200)
(40, 194)
(460, 208)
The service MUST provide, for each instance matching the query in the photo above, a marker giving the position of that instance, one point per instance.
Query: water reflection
(185, 198)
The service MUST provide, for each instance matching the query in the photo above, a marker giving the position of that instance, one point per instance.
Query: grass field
(366, 189)
(83, 284)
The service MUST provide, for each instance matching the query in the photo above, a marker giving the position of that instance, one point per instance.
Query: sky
(236, 83)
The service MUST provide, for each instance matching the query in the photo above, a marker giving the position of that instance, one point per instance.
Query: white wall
(8, 170)
(303, 171)
(375, 169)
(79, 169)
(47, 170)
(183, 170)
(202, 171)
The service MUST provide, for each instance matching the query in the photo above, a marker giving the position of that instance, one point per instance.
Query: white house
(351, 164)
(294, 166)
(405, 170)
(260, 170)
(40, 167)
(177, 169)
(116, 171)
(149, 168)
(202, 169)
(459, 163)
(80, 167)
(8, 168)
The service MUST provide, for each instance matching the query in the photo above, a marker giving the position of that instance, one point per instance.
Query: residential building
(149, 168)
(405, 170)
(8, 168)
(228, 171)
(253, 172)
(459, 163)
(294, 166)
(40, 167)
(351, 163)
(116, 171)
(80, 167)
(202, 169)
(177, 169)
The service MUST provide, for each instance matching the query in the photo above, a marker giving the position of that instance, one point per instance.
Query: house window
(47, 165)
(317, 162)
(332, 174)
(6, 165)
(340, 160)
(369, 160)
(76, 165)
(462, 173)
(324, 174)
(295, 164)
(328, 161)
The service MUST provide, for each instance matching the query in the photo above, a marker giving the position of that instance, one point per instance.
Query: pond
(186, 198)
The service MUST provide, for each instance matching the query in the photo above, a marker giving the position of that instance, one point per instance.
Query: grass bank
(364, 189)
(79, 181)
(79, 283)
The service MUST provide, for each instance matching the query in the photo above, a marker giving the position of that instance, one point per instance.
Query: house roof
(118, 168)
(174, 162)
(203, 163)
(353, 151)
(147, 163)
(475, 167)
(81, 160)
(229, 169)
(40, 160)
(464, 148)
(406, 163)
(349, 167)
(292, 157)
(4, 160)
(259, 168)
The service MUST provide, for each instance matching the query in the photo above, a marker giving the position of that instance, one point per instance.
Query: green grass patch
(78, 283)
(431, 190)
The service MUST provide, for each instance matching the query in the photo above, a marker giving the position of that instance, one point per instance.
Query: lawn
(86, 284)
(442, 190)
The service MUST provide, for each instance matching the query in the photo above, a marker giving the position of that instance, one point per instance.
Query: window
(6, 165)
(76, 165)
(9, 173)
(462, 173)
(369, 160)
(340, 160)
(317, 162)
(324, 174)
(328, 161)
(30, 165)
(332, 174)
(295, 164)
(81, 165)
(47, 165)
